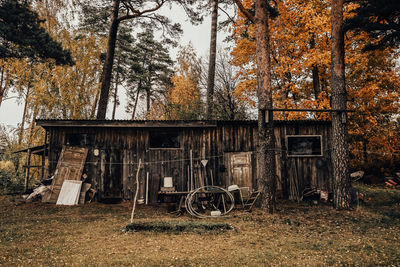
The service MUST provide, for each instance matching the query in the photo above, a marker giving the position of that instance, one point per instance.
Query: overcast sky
(199, 36)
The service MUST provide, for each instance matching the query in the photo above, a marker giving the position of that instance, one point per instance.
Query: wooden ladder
(248, 204)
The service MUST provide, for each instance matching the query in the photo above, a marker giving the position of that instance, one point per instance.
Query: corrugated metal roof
(160, 123)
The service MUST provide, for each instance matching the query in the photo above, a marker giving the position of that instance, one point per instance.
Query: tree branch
(138, 13)
(229, 17)
(245, 12)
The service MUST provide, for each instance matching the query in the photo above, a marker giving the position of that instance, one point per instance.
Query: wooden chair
(247, 197)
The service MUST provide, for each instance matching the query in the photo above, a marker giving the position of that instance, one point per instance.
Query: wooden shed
(214, 152)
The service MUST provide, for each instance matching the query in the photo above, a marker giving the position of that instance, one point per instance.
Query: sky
(199, 36)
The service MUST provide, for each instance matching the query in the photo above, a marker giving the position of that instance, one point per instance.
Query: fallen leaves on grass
(36, 234)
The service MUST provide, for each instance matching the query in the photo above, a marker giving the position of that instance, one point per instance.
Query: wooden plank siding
(125, 144)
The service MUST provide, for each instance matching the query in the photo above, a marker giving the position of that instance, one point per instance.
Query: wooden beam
(44, 154)
(310, 110)
(32, 166)
(28, 163)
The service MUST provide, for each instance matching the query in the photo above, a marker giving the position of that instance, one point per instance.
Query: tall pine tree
(150, 71)
(21, 35)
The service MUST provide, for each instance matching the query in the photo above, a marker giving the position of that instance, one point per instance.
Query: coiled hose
(207, 193)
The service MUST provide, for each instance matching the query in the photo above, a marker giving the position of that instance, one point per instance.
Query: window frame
(179, 135)
(88, 137)
(303, 155)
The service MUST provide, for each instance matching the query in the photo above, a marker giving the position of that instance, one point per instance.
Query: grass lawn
(33, 234)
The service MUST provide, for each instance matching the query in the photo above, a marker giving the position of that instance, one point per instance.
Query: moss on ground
(179, 227)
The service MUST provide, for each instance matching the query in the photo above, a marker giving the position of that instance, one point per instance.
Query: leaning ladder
(248, 204)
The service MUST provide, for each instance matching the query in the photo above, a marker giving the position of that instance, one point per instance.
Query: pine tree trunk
(316, 82)
(108, 64)
(5, 83)
(136, 101)
(148, 100)
(1, 95)
(115, 101)
(340, 157)
(116, 91)
(33, 124)
(266, 139)
(22, 127)
(212, 59)
(2, 86)
(315, 72)
(94, 105)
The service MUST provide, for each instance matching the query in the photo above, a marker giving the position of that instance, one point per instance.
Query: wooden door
(111, 166)
(69, 167)
(240, 169)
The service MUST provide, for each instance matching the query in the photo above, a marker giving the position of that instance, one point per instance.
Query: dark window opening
(80, 140)
(164, 139)
(304, 145)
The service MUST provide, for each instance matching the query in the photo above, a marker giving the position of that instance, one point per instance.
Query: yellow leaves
(246, 91)
(348, 9)
(157, 112)
(299, 41)
(300, 44)
(247, 4)
(183, 98)
(185, 88)
(7, 166)
(63, 91)
(185, 91)
(244, 52)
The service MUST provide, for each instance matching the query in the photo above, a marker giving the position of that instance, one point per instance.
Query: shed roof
(48, 123)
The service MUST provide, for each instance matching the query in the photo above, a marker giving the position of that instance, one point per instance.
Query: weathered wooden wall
(113, 171)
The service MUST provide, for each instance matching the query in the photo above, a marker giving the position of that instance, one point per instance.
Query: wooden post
(191, 170)
(268, 116)
(147, 188)
(27, 167)
(343, 117)
(137, 189)
(50, 159)
(44, 155)
(188, 178)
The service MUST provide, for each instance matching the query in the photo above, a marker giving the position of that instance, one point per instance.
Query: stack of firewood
(393, 182)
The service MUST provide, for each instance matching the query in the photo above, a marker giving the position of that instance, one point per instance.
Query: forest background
(176, 89)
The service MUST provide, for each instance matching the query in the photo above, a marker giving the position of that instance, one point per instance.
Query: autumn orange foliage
(300, 52)
(183, 98)
(48, 90)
